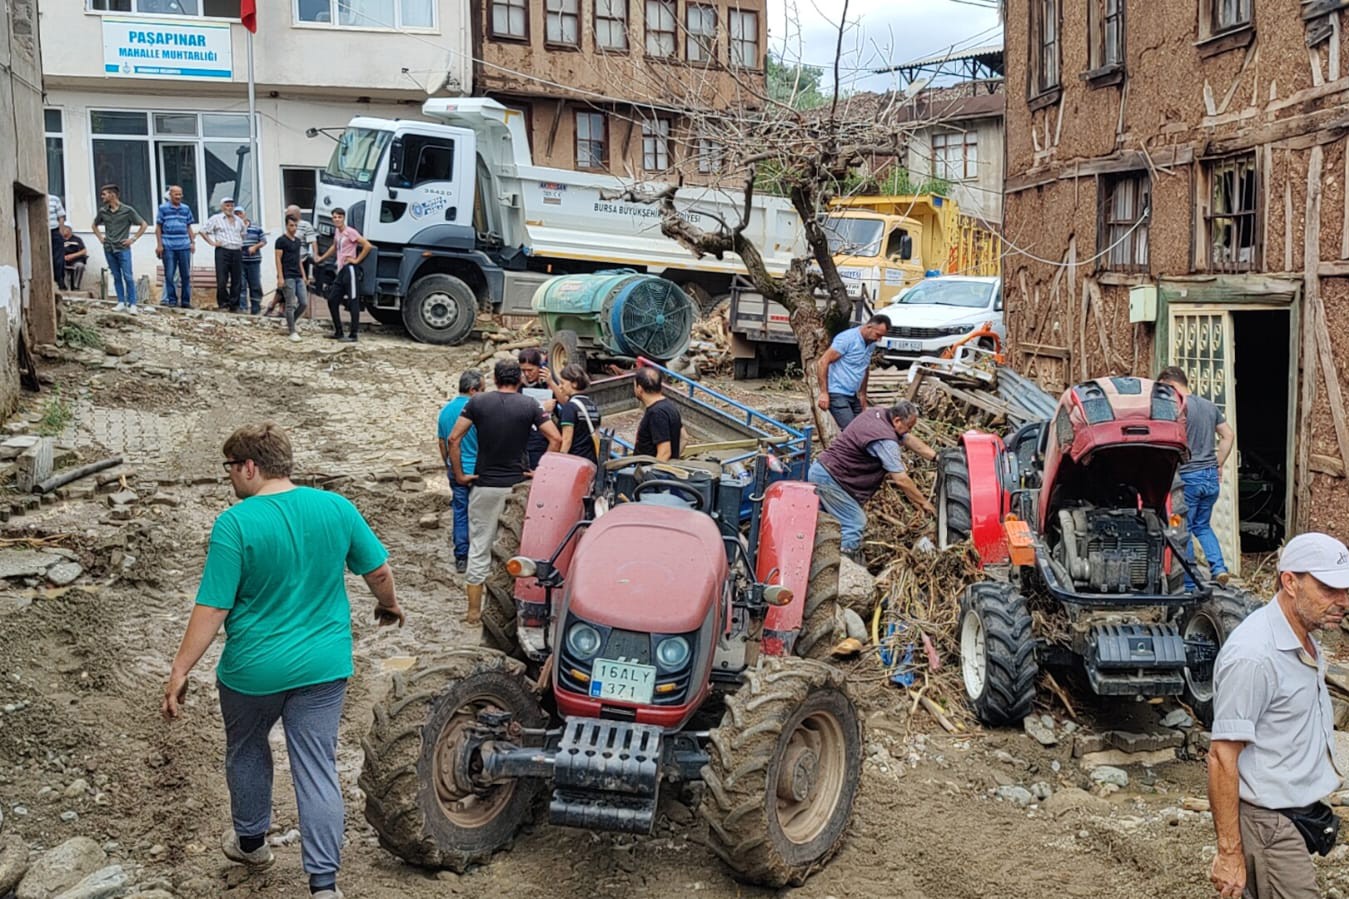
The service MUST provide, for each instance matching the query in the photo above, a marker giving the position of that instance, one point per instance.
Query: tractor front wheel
(419, 793)
(782, 772)
(1211, 624)
(954, 506)
(820, 617)
(997, 653)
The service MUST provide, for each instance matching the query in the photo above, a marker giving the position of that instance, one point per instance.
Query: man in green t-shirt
(274, 579)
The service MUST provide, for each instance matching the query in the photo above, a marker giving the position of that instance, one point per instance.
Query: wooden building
(617, 85)
(1176, 194)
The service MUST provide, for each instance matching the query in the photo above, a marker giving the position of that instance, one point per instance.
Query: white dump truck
(462, 220)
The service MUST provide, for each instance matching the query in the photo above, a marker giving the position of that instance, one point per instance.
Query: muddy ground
(81, 668)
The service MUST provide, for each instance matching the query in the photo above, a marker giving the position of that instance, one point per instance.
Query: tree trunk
(811, 339)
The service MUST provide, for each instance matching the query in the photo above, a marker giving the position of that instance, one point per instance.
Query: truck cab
(875, 253)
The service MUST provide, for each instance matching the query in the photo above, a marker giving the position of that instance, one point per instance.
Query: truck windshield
(853, 236)
(941, 292)
(356, 157)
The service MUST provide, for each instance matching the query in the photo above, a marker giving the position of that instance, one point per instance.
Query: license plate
(622, 681)
(325, 229)
(904, 346)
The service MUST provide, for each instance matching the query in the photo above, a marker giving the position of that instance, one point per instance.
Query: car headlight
(957, 330)
(672, 653)
(583, 640)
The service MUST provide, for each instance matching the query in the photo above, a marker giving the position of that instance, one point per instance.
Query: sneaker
(120, 307)
(168, 305)
(461, 565)
(334, 893)
(132, 310)
(259, 858)
(350, 339)
(333, 336)
(1223, 579)
(295, 338)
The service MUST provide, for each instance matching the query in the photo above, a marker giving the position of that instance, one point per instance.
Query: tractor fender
(556, 502)
(786, 541)
(988, 499)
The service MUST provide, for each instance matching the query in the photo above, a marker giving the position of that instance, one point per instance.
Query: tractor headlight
(672, 653)
(583, 640)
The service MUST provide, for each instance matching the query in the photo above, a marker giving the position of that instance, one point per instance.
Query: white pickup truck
(461, 219)
(937, 312)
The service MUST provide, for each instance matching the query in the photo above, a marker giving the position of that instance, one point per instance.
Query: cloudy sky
(879, 33)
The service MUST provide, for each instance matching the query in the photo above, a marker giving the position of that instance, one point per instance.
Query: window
(660, 28)
(427, 159)
(510, 19)
(1107, 34)
(211, 9)
(1122, 239)
(591, 140)
(1044, 70)
(744, 29)
(611, 24)
(711, 154)
(1231, 215)
(56, 152)
(300, 187)
(1225, 15)
(701, 42)
(395, 14)
(656, 145)
(563, 22)
(955, 155)
(144, 153)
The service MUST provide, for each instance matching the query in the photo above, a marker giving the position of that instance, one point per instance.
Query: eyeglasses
(231, 463)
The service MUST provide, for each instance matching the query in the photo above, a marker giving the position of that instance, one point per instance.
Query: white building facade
(150, 93)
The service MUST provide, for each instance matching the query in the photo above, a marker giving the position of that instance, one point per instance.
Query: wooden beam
(1327, 465)
(1344, 227)
(1044, 349)
(1336, 269)
(1125, 161)
(1311, 293)
(1288, 224)
(1326, 355)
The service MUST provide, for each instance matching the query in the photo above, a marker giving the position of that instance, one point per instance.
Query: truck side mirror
(395, 176)
(906, 247)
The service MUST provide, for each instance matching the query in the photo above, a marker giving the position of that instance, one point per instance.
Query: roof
(986, 52)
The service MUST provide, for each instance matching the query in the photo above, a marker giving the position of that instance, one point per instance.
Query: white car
(935, 313)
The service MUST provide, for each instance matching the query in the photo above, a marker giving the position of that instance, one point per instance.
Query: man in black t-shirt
(504, 420)
(659, 432)
(290, 276)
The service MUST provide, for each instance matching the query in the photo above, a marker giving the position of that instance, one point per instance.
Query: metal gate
(1202, 346)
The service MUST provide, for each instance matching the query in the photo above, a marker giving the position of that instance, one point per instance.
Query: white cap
(1320, 555)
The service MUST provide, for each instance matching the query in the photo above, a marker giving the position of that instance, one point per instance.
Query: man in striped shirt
(175, 243)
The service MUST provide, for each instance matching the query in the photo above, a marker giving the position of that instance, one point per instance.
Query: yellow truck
(882, 245)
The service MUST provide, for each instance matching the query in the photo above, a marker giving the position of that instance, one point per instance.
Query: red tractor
(641, 642)
(1071, 517)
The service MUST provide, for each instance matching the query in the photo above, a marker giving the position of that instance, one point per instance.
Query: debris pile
(709, 351)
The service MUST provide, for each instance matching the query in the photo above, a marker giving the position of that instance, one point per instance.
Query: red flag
(248, 14)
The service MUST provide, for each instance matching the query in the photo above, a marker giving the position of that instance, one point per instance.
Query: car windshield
(356, 157)
(853, 236)
(941, 292)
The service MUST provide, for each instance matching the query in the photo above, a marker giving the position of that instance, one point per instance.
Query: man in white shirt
(56, 217)
(225, 232)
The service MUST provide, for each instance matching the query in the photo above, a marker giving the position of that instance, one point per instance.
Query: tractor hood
(646, 567)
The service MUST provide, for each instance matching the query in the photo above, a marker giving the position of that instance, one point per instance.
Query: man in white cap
(1272, 758)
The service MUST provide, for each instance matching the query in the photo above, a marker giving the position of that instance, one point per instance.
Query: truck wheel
(419, 808)
(819, 619)
(782, 772)
(997, 653)
(386, 316)
(954, 515)
(498, 607)
(440, 309)
(745, 369)
(564, 348)
(1211, 624)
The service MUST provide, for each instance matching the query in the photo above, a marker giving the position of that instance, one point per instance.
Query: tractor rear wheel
(498, 602)
(413, 779)
(820, 618)
(1212, 623)
(782, 772)
(563, 349)
(954, 506)
(997, 653)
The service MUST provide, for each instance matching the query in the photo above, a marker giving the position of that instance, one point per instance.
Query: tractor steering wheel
(684, 491)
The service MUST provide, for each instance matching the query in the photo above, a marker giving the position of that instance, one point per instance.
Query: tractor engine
(1112, 550)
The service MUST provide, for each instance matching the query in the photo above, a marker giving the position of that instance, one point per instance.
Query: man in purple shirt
(350, 248)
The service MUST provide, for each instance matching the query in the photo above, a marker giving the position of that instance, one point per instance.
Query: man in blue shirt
(843, 370)
(255, 241)
(470, 383)
(174, 243)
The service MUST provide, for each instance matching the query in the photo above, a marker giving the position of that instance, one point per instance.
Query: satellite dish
(437, 83)
(915, 88)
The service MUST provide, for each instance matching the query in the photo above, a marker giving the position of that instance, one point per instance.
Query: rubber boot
(474, 593)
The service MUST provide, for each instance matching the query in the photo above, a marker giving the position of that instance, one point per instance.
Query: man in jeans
(470, 385)
(225, 232)
(274, 580)
(116, 219)
(290, 277)
(862, 458)
(843, 370)
(504, 419)
(174, 243)
(255, 241)
(1202, 474)
(56, 220)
